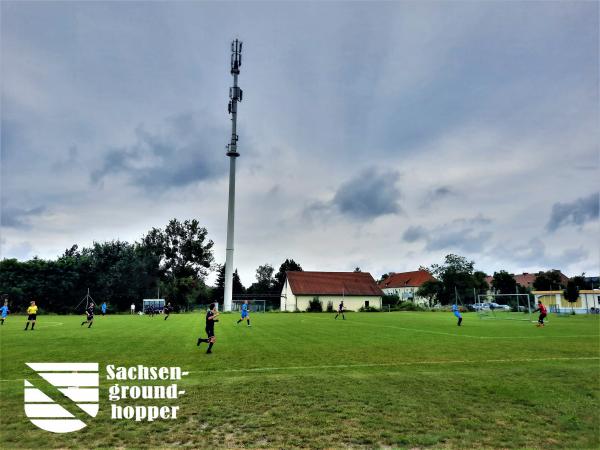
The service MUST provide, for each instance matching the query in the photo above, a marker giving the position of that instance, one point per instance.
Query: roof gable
(333, 283)
(406, 279)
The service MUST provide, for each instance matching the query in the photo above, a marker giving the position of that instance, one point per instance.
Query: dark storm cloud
(578, 212)
(20, 218)
(184, 152)
(370, 194)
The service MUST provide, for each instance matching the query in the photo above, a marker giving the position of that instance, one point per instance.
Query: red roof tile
(406, 279)
(333, 283)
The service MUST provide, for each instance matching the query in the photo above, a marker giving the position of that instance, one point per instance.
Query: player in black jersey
(340, 311)
(90, 315)
(211, 318)
(167, 310)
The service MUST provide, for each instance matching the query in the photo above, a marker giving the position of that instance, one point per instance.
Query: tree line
(176, 260)
(173, 261)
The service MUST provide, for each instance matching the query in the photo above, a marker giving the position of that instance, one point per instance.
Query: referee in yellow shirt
(31, 315)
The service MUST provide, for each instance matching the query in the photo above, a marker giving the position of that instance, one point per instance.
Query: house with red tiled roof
(355, 289)
(406, 284)
(526, 279)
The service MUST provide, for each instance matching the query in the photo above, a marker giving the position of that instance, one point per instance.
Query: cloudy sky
(380, 135)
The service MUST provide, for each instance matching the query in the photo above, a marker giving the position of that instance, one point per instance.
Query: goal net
(253, 305)
(504, 306)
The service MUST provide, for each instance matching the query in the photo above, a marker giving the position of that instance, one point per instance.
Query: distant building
(526, 279)
(556, 302)
(355, 289)
(406, 284)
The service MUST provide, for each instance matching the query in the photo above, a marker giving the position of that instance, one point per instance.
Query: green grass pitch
(399, 380)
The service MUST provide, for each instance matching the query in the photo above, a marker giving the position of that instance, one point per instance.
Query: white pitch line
(396, 364)
(464, 335)
(47, 324)
(404, 363)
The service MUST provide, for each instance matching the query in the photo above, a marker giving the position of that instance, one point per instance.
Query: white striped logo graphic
(76, 381)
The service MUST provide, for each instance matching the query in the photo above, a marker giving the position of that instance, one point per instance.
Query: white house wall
(408, 293)
(288, 299)
(350, 303)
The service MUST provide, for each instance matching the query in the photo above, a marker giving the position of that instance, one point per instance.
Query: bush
(315, 305)
(390, 299)
(368, 309)
(410, 306)
(330, 306)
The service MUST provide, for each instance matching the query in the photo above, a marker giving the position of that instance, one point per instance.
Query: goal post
(504, 306)
(253, 305)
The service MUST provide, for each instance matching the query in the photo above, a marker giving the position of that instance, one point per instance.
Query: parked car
(498, 306)
(491, 306)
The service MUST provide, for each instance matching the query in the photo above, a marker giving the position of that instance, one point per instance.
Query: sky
(379, 135)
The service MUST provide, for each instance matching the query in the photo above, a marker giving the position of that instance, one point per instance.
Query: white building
(406, 284)
(355, 289)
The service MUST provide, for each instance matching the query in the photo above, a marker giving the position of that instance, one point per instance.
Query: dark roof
(406, 279)
(333, 283)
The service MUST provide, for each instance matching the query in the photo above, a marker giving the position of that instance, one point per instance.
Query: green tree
(571, 293)
(431, 290)
(184, 256)
(455, 274)
(548, 281)
(218, 292)
(182, 247)
(504, 282)
(581, 282)
(289, 265)
(479, 281)
(265, 282)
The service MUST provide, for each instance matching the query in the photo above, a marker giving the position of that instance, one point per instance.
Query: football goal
(504, 306)
(253, 305)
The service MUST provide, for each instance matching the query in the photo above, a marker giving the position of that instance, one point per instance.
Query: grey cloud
(578, 212)
(442, 191)
(533, 253)
(460, 234)
(20, 218)
(185, 152)
(467, 240)
(413, 234)
(370, 194)
(438, 194)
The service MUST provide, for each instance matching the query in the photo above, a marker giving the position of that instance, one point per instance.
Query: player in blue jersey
(103, 308)
(4, 312)
(245, 313)
(456, 312)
